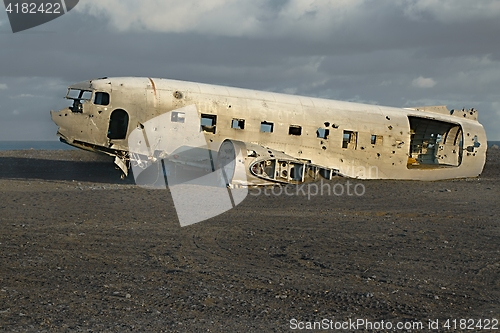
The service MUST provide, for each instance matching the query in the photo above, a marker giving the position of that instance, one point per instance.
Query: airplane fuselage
(356, 140)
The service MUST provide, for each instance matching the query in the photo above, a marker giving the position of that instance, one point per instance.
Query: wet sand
(83, 250)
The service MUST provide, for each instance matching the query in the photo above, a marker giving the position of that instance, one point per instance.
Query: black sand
(82, 250)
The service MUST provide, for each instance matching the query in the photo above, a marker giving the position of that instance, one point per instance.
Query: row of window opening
(209, 122)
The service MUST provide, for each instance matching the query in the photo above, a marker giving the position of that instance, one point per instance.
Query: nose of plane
(59, 117)
(56, 116)
(52, 115)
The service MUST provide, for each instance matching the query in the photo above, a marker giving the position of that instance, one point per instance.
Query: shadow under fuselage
(61, 170)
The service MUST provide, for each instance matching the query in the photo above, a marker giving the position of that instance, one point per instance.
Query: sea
(57, 145)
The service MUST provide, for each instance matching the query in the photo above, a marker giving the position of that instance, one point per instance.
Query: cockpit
(80, 96)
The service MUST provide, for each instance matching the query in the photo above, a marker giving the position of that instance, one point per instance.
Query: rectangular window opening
(377, 139)
(101, 98)
(323, 133)
(238, 124)
(349, 140)
(208, 123)
(178, 117)
(266, 127)
(294, 130)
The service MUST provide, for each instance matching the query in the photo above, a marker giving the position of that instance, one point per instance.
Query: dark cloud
(374, 56)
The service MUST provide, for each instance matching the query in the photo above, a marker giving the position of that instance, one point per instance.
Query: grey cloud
(373, 56)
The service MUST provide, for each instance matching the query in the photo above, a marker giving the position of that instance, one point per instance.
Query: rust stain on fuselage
(153, 85)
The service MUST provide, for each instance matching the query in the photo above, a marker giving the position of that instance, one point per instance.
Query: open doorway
(434, 143)
(118, 125)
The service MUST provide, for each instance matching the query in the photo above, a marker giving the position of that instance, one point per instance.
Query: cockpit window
(79, 94)
(101, 98)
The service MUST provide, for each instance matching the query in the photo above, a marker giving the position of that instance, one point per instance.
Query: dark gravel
(82, 250)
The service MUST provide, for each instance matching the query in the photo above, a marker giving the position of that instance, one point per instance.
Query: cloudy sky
(390, 52)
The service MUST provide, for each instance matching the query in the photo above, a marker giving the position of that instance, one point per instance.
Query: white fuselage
(358, 140)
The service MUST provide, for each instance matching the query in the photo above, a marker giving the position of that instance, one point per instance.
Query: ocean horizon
(58, 145)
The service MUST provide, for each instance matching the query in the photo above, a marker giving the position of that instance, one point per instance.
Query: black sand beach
(82, 250)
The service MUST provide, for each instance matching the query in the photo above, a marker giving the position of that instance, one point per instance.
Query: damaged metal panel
(297, 137)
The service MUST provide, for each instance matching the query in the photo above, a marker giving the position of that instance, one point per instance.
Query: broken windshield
(79, 94)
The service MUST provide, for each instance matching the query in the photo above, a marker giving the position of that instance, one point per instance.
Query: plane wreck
(269, 137)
